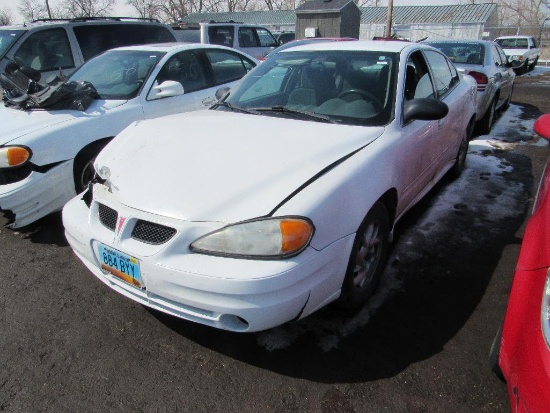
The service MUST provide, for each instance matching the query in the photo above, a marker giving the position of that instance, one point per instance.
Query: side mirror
(166, 89)
(221, 92)
(542, 126)
(424, 109)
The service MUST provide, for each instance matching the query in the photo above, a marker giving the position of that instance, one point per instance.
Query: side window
(186, 68)
(444, 75)
(227, 66)
(222, 35)
(418, 82)
(497, 58)
(266, 38)
(46, 50)
(95, 39)
(532, 43)
(247, 37)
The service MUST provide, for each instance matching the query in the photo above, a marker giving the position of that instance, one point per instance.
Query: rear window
(188, 35)
(462, 52)
(94, 39)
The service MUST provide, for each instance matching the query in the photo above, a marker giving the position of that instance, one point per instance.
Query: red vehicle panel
(524, 348)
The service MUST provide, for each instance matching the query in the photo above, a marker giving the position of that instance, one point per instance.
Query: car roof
(512, 37)
(174, 46)
(396, 46)
(79, 21)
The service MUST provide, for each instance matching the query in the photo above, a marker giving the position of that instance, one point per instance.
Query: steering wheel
(368, 96)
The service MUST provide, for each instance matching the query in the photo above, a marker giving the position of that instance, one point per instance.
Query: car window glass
(462, 52)
(227, 65)
(46, 50)
(497, 58)
(222, 35)
(186, 68)
(118, 74)
(443, 78)
(247, 37)
(94, 39)
(266, 38)
(267, 84)
(7, 38)
(418, 82)
(348, 87)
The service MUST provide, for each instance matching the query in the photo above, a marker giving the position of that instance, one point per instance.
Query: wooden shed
(328, 18)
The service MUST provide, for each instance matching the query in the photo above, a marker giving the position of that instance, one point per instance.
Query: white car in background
(282, 198)
(46, 155)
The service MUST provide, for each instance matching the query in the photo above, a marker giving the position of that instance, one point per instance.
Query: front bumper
(38, 195)
(227, 293)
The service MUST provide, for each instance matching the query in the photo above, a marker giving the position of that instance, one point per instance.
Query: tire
(506, 104)
(494, 355)
(367, 259)
(83, 168)
(460, 161)
(534, 64)
(486, 122)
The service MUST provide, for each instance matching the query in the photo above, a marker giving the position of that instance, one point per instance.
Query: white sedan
(46, 156)
(283, 197)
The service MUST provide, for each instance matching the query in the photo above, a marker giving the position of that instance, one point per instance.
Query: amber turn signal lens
(295, 234)
(13, 156)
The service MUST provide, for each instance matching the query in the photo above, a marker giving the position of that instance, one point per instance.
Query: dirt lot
(69, 344)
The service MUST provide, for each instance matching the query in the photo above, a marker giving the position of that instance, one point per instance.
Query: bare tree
(32, 9)
(151, 9)
(522, 12)
(85, 8)
(5, 17)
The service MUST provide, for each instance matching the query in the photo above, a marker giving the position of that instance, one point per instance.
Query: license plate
(120, 265)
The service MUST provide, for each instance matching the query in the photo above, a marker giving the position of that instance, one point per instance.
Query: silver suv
(257, 41)
(54, 46)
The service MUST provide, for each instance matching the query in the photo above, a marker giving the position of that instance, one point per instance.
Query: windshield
(118, 74)
(462, 52)
(7, 38)
(513, 43)
(347, 87)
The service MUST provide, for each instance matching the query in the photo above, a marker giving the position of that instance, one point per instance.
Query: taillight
(480, 79)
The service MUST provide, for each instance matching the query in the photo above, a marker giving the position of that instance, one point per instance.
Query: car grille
(143, 231)
(108, 216)
(152, 233)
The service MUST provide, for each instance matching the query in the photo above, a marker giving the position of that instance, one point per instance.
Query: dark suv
(51, 46)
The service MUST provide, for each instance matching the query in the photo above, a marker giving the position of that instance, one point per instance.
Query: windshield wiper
(234, 108)
(284, 109)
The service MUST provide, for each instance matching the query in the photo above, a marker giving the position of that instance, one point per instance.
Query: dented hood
(17, 123)
(221, 166)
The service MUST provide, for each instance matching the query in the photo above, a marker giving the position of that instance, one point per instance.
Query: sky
(121, 9)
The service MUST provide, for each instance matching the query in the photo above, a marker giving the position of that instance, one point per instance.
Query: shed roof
(324, 6)
(464, 13)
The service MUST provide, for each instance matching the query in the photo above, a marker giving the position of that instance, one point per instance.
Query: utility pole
(389, 18)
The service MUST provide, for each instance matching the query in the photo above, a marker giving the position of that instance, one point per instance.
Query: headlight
(264, 238)
(12, 156)
(517, 57)
(545, 311)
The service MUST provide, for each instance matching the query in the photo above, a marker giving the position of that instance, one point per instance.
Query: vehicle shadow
(437, 274)
(48, 230)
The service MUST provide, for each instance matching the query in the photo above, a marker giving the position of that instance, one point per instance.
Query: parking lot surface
(69, 344)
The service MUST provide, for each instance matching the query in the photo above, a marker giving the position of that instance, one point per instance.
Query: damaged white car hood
(221, 166)
(17, 123)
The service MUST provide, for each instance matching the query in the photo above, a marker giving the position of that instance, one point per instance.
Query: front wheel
(83, 168)
(367, 259)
